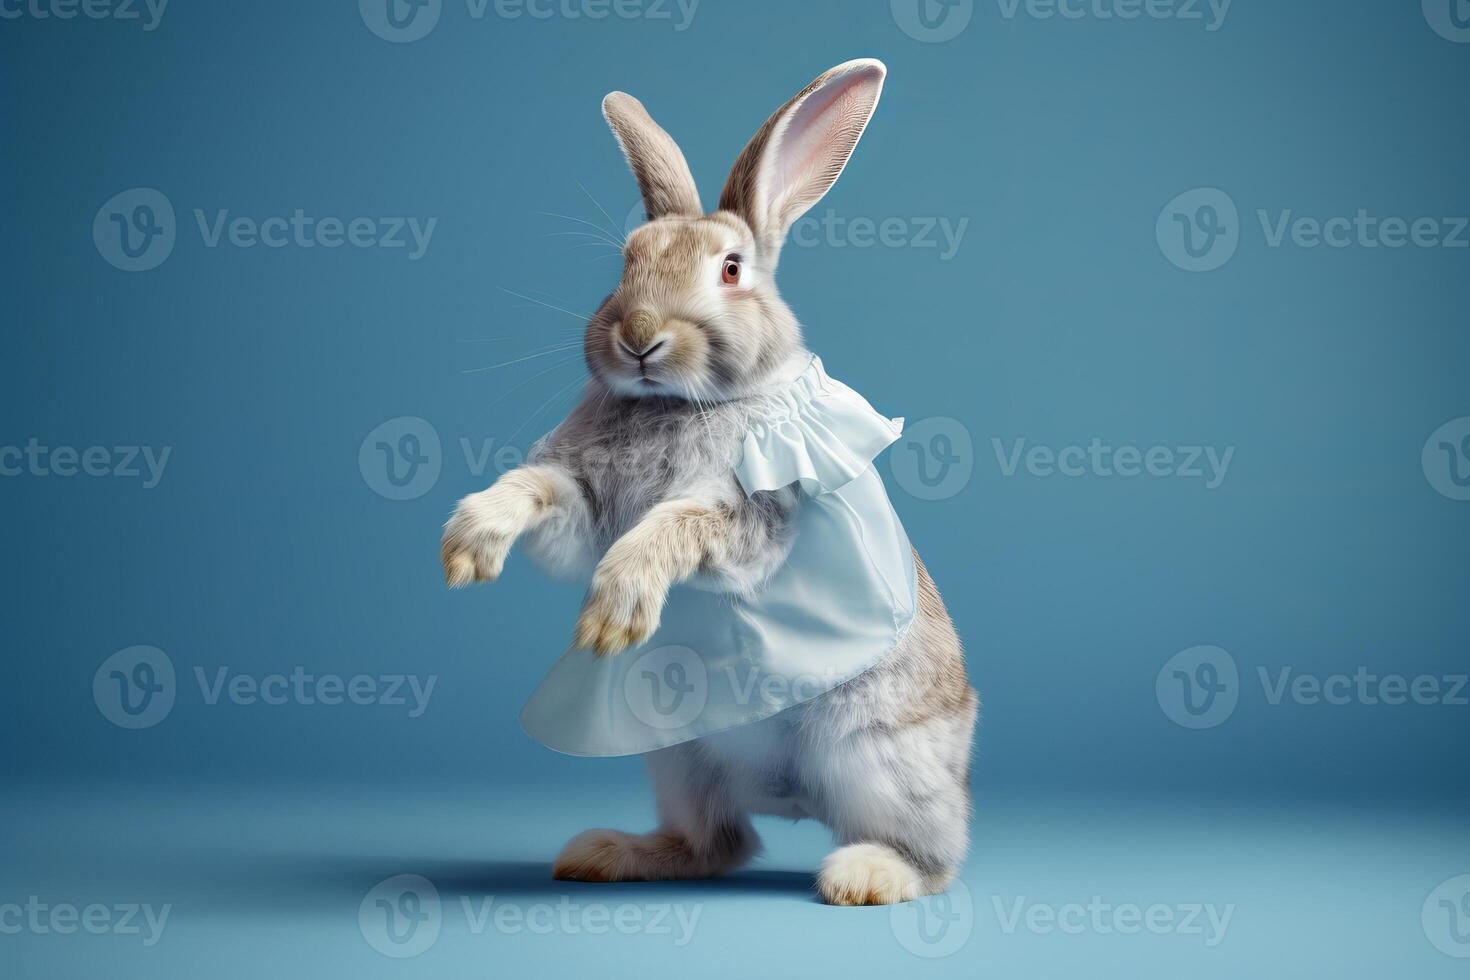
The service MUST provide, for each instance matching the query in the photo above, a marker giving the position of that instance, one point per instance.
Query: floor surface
(148, 883)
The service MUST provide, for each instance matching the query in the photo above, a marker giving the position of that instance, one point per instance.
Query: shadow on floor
(276, 883)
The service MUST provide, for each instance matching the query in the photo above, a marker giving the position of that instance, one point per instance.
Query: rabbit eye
(730, 270)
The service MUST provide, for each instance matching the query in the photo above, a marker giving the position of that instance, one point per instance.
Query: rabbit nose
(643, 353)
(639, 334)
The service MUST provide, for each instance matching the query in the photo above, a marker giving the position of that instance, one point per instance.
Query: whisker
(600, 239)
(556, 394)
(609, 217)
(531, 299)
(580, 221)
(559, 348)
(517, 387)
(562, 331)
(568, 331)
(572, 248)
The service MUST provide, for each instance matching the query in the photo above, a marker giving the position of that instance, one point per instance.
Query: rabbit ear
(797, 155)
(663, 176)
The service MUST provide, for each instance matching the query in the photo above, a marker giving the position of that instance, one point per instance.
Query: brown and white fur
(635, 489)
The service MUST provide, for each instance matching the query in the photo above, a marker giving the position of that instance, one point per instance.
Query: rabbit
(696, 329)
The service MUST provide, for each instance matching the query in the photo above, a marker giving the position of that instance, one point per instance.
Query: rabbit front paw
(476, 541)
(622, 610)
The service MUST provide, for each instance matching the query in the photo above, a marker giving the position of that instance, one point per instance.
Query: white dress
(843, 599)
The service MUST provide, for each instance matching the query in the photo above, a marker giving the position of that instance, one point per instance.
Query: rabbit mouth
(646, 377)
(640, 382)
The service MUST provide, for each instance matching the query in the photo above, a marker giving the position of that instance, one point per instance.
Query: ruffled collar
(813, 430)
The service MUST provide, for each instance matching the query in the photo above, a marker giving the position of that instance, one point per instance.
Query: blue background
(1059, 319)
